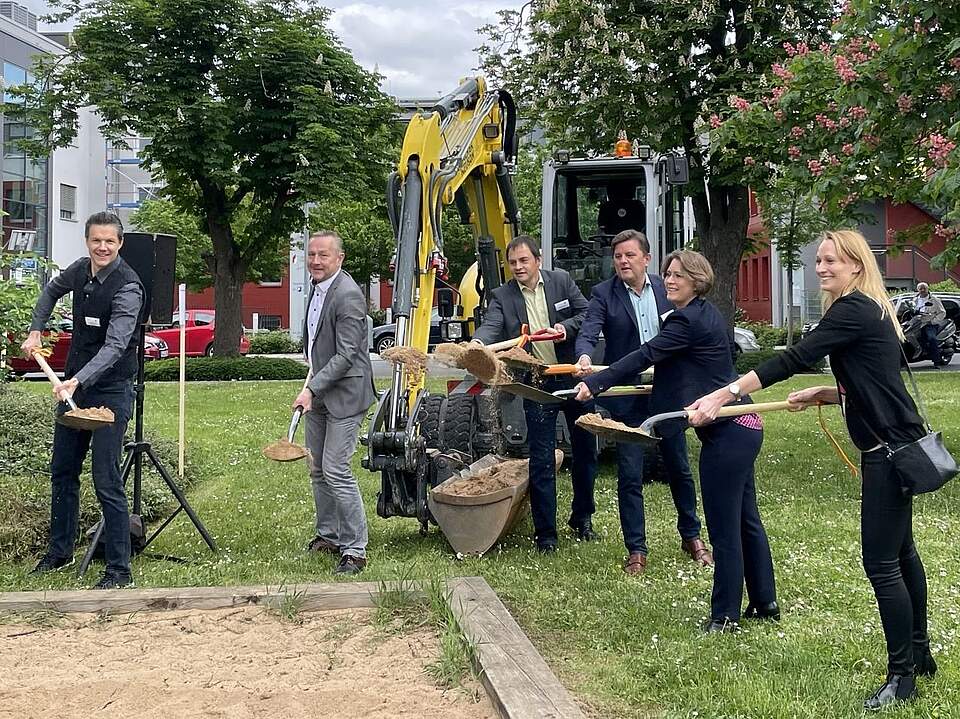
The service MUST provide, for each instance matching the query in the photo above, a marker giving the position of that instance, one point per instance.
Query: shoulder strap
(916, 392)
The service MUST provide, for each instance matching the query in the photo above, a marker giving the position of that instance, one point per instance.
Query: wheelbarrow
(474, 522)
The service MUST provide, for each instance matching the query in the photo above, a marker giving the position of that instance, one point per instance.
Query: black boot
(897, 688)
(763, 611)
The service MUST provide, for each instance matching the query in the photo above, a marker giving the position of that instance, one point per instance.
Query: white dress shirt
(313, 314)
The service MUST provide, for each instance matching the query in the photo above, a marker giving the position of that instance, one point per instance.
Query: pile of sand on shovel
(284, 450)
(604, 427)
(522, 359)
(476, 359)
(87, 418)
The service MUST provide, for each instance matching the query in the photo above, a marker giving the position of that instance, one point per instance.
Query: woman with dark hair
(691, 354)
(860, 333)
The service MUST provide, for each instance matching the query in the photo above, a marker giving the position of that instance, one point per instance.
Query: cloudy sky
(423, 47)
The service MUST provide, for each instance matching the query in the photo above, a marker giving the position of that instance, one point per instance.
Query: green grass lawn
(626, 647)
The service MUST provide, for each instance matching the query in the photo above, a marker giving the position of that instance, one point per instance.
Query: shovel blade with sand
(284, 450)
(90, 418)
(644, 434)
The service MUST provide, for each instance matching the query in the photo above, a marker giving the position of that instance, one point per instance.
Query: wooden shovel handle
(569, 368)
(741, 409)
(51, 375)
(505, 345)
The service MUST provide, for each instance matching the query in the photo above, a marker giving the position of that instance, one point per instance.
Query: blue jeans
(928, 342)
(630, 484)
(69, 451)
(740, 546)
(542, 440)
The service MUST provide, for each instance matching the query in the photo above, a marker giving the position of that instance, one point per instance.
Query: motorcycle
(911, 322)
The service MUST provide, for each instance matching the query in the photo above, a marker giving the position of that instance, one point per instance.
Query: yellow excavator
(462, 152)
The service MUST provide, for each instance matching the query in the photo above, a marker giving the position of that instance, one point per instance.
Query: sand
(225, 664)
(88, 417)
(520, 358)
(413, 359)
(604, 427)
(506, 474)
(284, 451)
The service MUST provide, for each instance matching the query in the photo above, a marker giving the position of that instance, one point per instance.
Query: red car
(154, 348)
(198, 333)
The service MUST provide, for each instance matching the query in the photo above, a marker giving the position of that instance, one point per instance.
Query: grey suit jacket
(507, 310)
(343, 381)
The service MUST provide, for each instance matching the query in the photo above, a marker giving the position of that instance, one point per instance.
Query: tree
(792, 220)
(873, 114)
(366, 233)
(194, 246)
(247, 101)
(584, 70)
(18, 297)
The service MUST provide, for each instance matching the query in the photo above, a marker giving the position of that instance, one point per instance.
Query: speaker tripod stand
(136, 451)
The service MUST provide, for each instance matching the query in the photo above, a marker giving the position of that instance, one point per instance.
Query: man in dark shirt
(101, 365)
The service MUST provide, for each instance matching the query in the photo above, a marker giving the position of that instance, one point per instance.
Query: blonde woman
(860, 333)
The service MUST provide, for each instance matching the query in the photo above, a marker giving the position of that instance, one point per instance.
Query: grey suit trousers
(340, 516)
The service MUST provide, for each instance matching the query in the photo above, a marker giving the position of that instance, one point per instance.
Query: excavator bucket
(478, 506)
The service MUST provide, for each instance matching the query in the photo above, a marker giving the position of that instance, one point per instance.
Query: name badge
(92, 321)
(562, 305)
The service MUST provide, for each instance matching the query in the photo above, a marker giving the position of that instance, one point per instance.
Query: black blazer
(692, 357)
(611, 311)
(506, 311)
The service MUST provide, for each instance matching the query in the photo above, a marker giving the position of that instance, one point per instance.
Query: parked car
(744, 341)
(154, 348)
(198, 332)
(385, 336)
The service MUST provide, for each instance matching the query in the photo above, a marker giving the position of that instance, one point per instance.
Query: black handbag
(923, 465)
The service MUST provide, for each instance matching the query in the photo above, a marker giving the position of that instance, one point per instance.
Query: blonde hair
(696, 266)
(853, 246)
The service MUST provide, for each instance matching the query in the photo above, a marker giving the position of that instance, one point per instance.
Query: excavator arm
(458, 153)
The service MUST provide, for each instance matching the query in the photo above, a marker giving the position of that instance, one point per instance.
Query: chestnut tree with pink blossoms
(873, 114)
(659, 69)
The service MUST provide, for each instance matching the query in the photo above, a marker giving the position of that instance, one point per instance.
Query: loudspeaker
(154, 259)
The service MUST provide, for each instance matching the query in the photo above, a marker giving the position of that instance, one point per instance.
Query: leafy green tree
(872, 114)
(18, 296)
(659, 70)
(194, 247)
(247, 101)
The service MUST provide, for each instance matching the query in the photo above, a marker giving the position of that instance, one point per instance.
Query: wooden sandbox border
(517, 679)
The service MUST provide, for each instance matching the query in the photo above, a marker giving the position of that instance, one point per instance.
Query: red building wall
(904, 217)
(753, 279)
(268, 300)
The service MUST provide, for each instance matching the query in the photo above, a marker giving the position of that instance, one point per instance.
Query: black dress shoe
(546, 547)
(769, 611)
(114, 581)
(584, 531)
(51, 564)
(722, 625)
(924, 664)
(897, 688)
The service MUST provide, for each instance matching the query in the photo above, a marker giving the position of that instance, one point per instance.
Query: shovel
(644, 433)
(284, 450)
(89, 418)
(619, 391)
(570, 368)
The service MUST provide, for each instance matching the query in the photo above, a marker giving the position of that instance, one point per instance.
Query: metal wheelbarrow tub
(474, 523)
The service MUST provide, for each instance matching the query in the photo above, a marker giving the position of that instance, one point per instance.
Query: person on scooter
(932, 314)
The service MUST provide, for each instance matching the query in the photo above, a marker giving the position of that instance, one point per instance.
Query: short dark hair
(627, 235)
(104, 219)
(524, 241)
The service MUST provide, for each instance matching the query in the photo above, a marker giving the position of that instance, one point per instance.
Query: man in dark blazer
(546, 299)
(335, 399)
(627, 310)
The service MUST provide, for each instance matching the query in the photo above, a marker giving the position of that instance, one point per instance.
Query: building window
(269, 322)
(68, 203)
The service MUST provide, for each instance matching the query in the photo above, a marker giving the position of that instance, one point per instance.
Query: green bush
(26, 445)
(751, 360)
(226, 368)
(274, 343)
(945, 286)
(768, 336)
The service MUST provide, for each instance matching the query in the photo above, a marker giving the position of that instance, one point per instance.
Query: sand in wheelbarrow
(500, 476)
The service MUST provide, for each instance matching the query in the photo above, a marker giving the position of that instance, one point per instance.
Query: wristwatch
(734, 389)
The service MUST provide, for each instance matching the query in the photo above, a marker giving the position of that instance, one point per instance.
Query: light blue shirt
(645, 309)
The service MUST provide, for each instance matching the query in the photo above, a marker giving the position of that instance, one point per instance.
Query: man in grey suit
(337, 395)
(546, 299)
